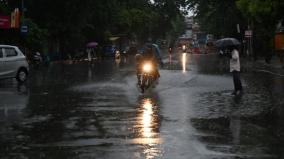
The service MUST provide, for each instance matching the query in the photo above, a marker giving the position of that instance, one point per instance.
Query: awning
(113, 38)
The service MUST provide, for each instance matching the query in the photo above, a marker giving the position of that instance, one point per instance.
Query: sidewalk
(275, 67)
(274, 63)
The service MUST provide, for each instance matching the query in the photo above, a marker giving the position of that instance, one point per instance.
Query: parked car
(13, 63)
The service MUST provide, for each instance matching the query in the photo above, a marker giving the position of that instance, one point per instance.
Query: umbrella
(227, 42)
(155, 47)
(157, 50)
(92, 44)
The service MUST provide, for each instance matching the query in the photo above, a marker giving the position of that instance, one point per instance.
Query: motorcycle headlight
(147, 67)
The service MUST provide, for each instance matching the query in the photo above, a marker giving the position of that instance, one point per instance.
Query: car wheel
(22, 75)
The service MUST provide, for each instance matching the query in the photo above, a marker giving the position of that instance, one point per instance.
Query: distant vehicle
(146, 76)
(209, 40)
(209, 47)
(13, 63)
(201, 38)
(109, 51)
(184, 44)
(132, 50)
(162, 43)
(36, 60)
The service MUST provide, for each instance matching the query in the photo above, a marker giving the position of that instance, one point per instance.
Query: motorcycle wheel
(142, 84)
(148, 82)
(142, 90)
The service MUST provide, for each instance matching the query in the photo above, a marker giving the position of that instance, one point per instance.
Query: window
(10, 52)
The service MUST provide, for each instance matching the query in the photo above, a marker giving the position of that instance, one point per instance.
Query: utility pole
(24, 27)
(23, 9)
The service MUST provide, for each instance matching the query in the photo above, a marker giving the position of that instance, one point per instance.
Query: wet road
(82, 111)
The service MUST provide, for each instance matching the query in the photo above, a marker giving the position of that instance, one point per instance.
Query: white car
(13, 63)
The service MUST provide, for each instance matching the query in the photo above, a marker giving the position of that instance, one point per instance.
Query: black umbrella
(227, 42)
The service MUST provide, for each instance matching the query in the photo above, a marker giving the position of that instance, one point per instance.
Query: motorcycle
(146, 77)
(36, 60)
(117, 55)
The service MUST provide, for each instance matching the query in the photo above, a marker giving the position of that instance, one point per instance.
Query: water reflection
(148, 121)
(117, 62)
(90, 72)
(14, 99)
(183, 62)
(235, 120)
(120, 61)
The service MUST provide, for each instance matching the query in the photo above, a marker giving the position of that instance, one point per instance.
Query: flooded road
(79, 111)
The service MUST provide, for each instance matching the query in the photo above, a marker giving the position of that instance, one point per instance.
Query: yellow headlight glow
(147, 67)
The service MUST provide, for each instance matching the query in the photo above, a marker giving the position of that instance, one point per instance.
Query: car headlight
(147, 67)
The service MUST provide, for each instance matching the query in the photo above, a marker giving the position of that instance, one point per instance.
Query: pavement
(84, 111)
(274, 63)
(275, 67)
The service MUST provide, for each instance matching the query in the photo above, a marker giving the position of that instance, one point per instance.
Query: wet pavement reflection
(95, 111)
(149, 127)
(184, 60)
(246, 126)
(66, 112)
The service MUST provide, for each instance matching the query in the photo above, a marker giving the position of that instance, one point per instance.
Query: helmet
(138, 57)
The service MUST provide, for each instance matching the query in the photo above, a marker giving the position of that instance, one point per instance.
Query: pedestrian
(235, 68)
(89, 54)
(170, 55)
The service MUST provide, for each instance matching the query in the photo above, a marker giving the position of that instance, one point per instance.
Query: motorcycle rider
(147, 56)
(36, 59)
(138, 59)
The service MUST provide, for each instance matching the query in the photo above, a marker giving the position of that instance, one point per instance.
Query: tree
(70, 24)
(263, 17)
(36, 36)
(4, 8)
(218, 17)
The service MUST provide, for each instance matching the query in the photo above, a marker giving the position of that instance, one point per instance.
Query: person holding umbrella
(235, 68)
(91, 50)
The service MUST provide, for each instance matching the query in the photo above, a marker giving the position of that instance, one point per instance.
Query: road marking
(266, 71)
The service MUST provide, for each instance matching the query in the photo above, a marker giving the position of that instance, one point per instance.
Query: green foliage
(262, 16)
(218, 17)
(221, 18)
(4, 9)
(256, 8)
(263, 10)
(36, 37)
(69, 25)
(178, 26)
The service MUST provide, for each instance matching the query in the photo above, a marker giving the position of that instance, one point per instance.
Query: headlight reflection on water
(183, 62)
(147, 118)
(148, 121)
